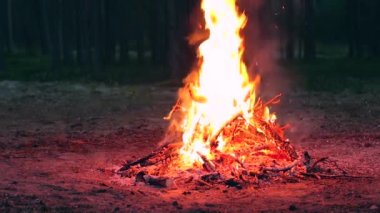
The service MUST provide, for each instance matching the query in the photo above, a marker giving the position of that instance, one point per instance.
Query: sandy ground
(59, 143)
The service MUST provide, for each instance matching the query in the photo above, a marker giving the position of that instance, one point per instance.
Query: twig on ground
(138, 161)
(146, 158)
(283, 169)
(344, 176)
(319, 176)
(317, 162)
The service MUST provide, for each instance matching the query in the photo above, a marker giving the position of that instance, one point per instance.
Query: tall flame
(218, 124)
(220, 89)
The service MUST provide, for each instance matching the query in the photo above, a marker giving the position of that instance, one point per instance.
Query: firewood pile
(267, 159)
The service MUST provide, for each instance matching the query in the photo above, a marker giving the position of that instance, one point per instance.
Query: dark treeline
(95, 38)
(94, 35)
(305, 24)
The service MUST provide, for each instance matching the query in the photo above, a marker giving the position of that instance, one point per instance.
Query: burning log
(208, 165)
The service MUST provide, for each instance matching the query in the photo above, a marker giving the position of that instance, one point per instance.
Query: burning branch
(209, 166)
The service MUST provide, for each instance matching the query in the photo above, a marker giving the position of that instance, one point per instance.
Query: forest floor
(60, 141)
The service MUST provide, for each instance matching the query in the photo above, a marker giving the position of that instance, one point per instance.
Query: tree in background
(174, 49)
(309, 30)
(363, 28)
(295, 24)
(11, 45)
(98, 25)
(2, 63)
(290, 29)
(374, 29)
(3, 42)
(158, 31)
(353, 14)
(100, 38)
(180, 56)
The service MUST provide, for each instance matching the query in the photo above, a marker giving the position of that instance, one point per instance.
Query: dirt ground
(59, 143)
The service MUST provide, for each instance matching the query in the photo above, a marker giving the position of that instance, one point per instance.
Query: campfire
(220, 131)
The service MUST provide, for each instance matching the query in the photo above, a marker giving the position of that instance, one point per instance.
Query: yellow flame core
(222, 87)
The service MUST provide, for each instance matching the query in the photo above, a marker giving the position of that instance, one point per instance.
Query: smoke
(262, 42)
(263, 47)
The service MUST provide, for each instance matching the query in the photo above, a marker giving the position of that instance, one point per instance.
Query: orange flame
(220, 89)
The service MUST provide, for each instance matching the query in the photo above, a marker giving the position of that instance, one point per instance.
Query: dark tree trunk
(309, 30)
(69, 30)
(2, 66)
(372, 27)
(156, 27)
(353, 10)
(60, 30)
(99, 43)
(124, 47)
(78, 33)
(83, 40)
(140, 32)
(124, 24)
(174, 52)
(53, 7)
(25, 23)
(2, 44)
(350, 27)
(51, 33)
(41, 28)
(180, 56)
(21, 24)
(4, 23)
(45, 25)
(290, 29)
(11, 44)
(110, 31)
(377, 31)
(299, 17)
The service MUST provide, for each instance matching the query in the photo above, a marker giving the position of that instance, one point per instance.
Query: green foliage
(25, 67)
(337, 74)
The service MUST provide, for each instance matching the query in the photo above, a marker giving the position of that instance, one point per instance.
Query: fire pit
(221, 131)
